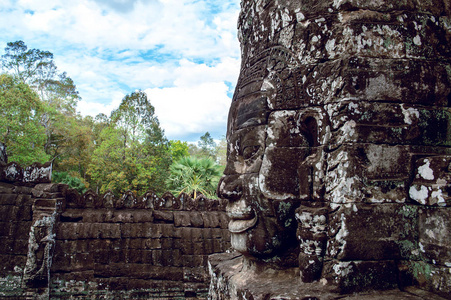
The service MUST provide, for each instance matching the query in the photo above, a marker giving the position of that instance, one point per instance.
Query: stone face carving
(275, 155)
(338, 131)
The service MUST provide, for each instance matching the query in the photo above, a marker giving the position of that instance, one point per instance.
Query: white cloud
(194, 109)
(181, 51)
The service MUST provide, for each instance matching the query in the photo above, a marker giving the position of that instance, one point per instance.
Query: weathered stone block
(187, 247)
(99, 230)
(194, 275)
(8, 199)
(368, 172)
(435, 236)
(217, 233)
(210, 219)
(431, 184)
(390, 231)
(430, 277)
(196, 219)
(356, 276)
(101, 256)
(182, 219)
(153, 243)
(165, 216)
(169, 231)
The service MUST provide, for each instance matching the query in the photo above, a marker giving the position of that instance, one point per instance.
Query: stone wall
(57, 243)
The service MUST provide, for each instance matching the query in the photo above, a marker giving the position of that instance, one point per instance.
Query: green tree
(77, 155)
(72, 182)
(221, 152)
(26, 64)
(131, 149)
(207, 146)
(194, 175)
(57, 92)
(178, 149)
(118, 168)
(20, 128)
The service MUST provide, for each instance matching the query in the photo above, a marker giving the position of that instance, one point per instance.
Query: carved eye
(250, 151)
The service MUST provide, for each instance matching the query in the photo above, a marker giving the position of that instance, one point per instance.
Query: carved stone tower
(339, 148)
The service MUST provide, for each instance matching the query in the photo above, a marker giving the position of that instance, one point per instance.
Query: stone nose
(230, 187)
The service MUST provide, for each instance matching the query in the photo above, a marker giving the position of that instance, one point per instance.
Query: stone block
(195, 275)
(210, 219)
(152, 243)
(6, 213)
(98, 230)
(218, 246)
(101, 256)
(435, 235)
(192, 261)
(208, 246)
(116, 256)
(133, 256)
(7, 246)
(182, 219)
(104, 244)
(199, 249)
(8, 199)
(217, 233)
(162, 215)
(25, 213)
(169, 231)
(223, 220)
(355, 276)
(431, 182)
(206, 233)
(187, 247)
(6, 188)
(167, 243)
(368, 173)
(21, 246)
(136, 243)
(389, 231)
(140, 230)
(9, 262)
(147, 256)
(144, 216)
(310, 267)
(196, 219)
(429, 277)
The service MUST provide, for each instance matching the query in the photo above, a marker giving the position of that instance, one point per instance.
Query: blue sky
(183, 53)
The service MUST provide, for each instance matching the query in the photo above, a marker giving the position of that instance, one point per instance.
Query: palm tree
(194, 175)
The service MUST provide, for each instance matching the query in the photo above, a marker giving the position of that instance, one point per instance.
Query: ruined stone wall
(136, 247)
(25, 197)
(57, 243)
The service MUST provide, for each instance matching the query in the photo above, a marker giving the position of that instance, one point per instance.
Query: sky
(183, 53)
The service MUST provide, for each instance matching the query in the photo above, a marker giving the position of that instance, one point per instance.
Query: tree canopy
(126, 150)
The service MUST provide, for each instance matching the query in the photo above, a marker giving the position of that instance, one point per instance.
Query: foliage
(131, 150)
(79, 148)
(207, 145)
(127, 150)
(56, 91)
(194, 175)
(178, 149)
(221, 152)
(71, 181)
(20, 129)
